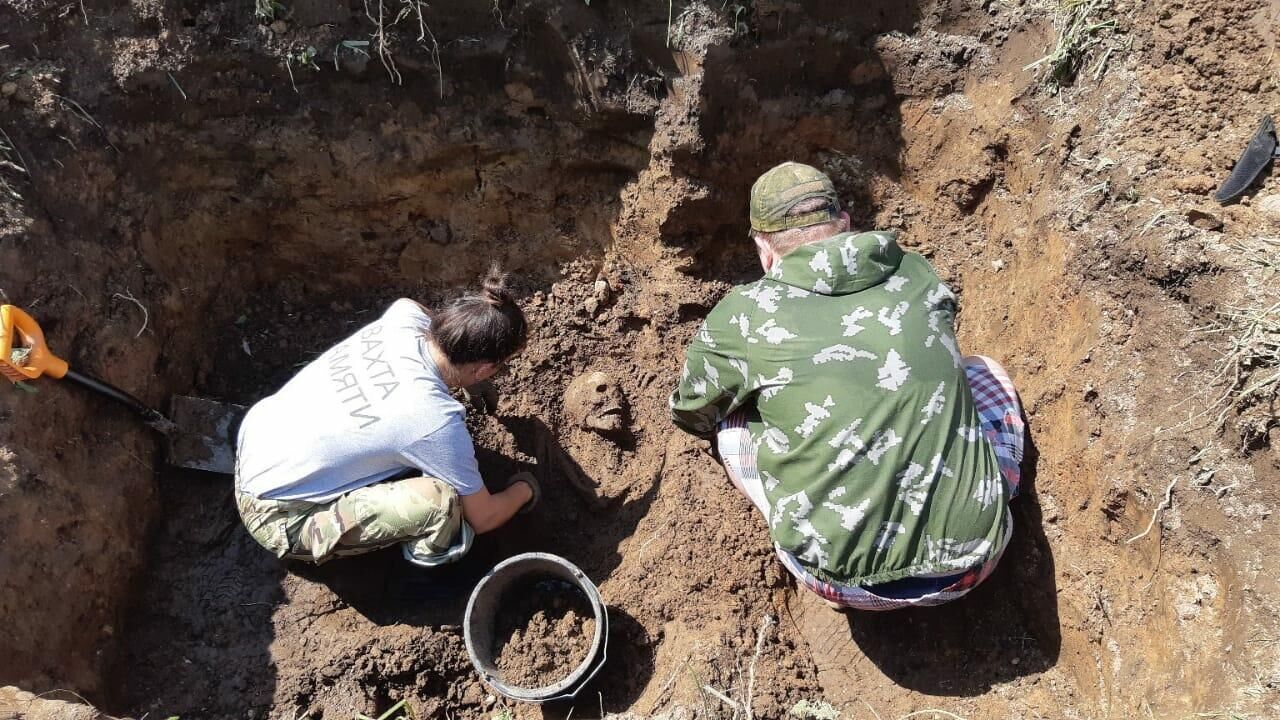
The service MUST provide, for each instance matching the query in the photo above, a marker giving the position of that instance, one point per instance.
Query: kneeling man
(882, 459)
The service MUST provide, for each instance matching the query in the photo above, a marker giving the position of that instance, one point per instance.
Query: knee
(431, 498)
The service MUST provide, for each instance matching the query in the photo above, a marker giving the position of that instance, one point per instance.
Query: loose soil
(545, 631)
(260, 202)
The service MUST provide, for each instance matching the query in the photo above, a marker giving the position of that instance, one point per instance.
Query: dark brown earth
(544, 633)
(167, 157)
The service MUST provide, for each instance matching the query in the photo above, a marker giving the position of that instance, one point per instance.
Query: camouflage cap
(781, 188)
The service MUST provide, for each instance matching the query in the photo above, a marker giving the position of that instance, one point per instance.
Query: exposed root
(1155, 514)
(146, 316)
(380, 42)
(761, 635)
(425, 36)
(89, 118)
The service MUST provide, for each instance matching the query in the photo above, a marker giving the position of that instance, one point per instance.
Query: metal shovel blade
(205, 435)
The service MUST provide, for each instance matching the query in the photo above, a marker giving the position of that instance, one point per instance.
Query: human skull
(595, 402)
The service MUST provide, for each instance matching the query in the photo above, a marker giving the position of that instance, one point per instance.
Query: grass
(304, 57)
(820, 710)
(1253, 359)
(400, 707)
(1250, 366)
(1082, 27)
(356, 47)
(681, 27)
(740, 13)
(267, 9)
(10, 159)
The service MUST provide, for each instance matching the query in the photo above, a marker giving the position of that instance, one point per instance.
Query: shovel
(200, 434)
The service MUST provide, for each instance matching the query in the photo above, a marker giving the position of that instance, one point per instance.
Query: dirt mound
(544, 633)
(197, 200)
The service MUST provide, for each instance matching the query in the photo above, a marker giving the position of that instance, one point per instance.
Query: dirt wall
(258, 201)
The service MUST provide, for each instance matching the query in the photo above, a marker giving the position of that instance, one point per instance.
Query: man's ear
(766, 253)
(845, 222)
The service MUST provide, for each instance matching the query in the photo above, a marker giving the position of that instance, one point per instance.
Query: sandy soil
(544, 633)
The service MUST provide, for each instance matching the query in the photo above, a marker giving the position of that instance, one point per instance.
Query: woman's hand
(535, 490)
(485, 511)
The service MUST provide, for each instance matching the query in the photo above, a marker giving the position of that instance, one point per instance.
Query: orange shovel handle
(18, 329)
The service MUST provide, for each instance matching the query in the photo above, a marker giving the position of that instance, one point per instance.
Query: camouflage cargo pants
(420, 509)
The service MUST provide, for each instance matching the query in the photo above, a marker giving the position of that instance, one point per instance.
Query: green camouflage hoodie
(867, 439)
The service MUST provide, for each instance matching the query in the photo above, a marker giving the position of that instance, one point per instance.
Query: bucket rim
(568, 686)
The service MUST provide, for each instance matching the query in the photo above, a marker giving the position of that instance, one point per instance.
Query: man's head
(792, 205)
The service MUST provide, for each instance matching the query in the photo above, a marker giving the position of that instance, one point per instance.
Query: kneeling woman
(365, 447)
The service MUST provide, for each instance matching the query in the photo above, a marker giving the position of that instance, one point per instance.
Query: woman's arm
(485, 511)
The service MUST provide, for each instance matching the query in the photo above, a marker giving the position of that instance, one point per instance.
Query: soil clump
(545, 631)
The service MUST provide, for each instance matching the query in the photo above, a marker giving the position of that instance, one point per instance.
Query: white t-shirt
(370, 408)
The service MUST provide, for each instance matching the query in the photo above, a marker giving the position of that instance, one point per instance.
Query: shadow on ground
(205, 601)
(1004, 629)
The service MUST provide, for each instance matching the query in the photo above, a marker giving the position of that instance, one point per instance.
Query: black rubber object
(1260, 151)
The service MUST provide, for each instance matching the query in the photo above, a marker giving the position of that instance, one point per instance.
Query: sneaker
(423, 554)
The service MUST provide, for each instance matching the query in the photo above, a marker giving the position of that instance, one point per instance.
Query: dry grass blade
(267, 9)
(1251, 362)
(932, 713)
(1081, 28)
(1248, 372)
(8, 154)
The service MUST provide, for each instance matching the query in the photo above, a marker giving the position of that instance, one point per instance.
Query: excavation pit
(203, 212)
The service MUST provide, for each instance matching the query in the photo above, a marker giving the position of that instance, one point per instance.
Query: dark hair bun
(487, 326)
(494, 288)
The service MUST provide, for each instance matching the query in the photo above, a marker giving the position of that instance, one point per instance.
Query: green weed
(401, 707)
(305, 57)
